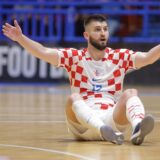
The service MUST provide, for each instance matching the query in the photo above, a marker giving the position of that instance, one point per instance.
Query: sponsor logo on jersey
(95, 79)
(97, 87)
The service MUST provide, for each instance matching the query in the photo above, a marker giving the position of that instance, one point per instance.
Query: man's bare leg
(80, 113)
(130, 109)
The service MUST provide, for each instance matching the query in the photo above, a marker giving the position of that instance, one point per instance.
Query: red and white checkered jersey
(97, 79)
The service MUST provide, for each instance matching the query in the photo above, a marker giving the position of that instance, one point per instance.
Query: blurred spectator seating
(62, 21)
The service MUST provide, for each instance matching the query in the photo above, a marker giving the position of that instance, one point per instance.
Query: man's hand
(12, 32)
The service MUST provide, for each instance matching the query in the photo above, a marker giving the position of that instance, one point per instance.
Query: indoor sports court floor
(32, 127)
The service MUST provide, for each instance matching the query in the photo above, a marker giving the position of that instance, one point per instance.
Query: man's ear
(85, 34)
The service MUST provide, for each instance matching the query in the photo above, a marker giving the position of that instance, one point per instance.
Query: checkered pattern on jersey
(122, 57)
(70, 59)
(81, 81)
(124, 60)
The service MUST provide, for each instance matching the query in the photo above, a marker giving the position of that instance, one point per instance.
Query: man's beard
(97, 45)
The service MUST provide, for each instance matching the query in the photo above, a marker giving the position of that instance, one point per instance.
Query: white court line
(47, 150)
(21, 121)
(157, 119)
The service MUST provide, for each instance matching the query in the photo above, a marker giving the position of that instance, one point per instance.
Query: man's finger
(8, 25)
(16, 23)
(5, 28)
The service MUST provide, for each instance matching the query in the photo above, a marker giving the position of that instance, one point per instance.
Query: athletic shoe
(142, 129)
(108, 134)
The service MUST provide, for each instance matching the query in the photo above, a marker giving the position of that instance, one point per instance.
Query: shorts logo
(97, 87)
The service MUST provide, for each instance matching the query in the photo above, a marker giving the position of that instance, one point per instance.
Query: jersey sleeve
(127, 58)
(68, 57)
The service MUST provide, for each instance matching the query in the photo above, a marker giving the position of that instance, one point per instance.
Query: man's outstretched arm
(15, 33)
(147, 58)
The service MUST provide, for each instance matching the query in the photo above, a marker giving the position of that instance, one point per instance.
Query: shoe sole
(146, 126)
(109, 135)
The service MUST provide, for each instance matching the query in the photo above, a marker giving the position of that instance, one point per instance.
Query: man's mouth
(103, 40)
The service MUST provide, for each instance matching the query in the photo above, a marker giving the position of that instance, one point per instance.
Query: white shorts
(106, 115)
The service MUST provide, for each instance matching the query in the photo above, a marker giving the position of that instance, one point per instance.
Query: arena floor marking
(47, 150)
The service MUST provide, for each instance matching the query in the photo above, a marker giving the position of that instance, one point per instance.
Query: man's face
(98, 34)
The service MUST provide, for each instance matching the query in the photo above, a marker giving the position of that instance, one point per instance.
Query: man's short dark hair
(94, 17)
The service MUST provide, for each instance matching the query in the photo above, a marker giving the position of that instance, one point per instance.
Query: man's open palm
(12, 32)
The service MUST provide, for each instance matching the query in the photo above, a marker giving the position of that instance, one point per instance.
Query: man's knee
(71, 99)
(74, 97)
(128, 93)
(69, 107)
